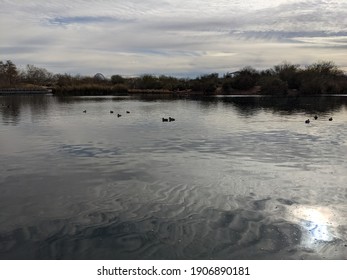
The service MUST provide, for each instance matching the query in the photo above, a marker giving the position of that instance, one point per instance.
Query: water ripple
(220, 182)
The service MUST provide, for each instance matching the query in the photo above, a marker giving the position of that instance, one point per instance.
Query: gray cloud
(172, 36)
(84, 20)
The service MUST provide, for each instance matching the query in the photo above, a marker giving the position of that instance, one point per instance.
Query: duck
(128, 112)
(315, 117)
(119, 115)
(330, 119)
(171, 119)
(85, 111)
(165, 120)
(111, 112)
(307, 121)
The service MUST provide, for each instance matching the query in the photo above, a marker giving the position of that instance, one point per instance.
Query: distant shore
(102, 91)
(95, 90)
(286, 79)
(36, 90)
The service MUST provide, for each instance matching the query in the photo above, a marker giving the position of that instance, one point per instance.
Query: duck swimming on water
(307, 121)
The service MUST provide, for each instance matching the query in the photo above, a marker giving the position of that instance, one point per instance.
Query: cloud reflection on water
(212, 184)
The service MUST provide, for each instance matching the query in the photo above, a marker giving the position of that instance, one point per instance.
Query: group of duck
(168, 119)
(111, 112)
(316, 117)
(128, 112)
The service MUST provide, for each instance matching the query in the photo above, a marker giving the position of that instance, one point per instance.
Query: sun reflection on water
(319, 223)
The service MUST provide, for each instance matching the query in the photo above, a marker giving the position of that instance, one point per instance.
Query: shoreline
(255, 91)
(39, 90)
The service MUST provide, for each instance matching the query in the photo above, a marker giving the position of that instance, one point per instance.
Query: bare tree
(36, 75)
(8, 73)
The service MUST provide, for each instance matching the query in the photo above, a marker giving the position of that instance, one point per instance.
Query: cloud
(82, 20)
(173, 36)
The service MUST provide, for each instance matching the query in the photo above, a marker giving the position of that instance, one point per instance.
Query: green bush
(273, 86)
(117, 79)
(245, 79)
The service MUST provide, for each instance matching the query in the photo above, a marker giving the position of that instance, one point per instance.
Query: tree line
(12, 76)
(323, 77)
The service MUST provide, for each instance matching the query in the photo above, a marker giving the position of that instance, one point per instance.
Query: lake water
(231, 178)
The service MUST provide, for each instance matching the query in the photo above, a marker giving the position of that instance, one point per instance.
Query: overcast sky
(171, 37)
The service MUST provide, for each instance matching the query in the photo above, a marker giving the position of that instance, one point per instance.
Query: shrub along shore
(283, 80)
